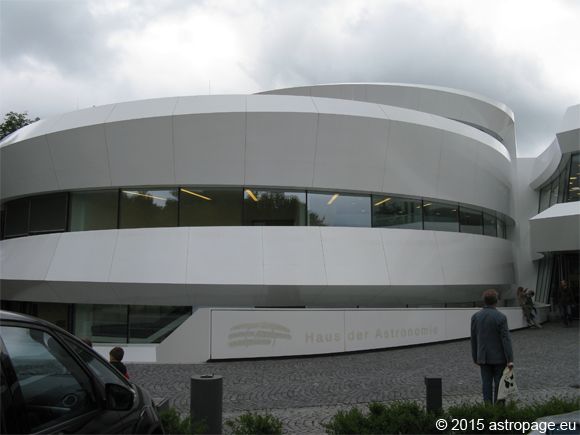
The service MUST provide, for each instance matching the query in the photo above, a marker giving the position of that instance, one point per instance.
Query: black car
(51, 382)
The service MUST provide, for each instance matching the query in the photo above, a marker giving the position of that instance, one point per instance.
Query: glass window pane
(563, 182)
(574, 179)
(470, 220)
(210, 207)
(501, 228)
(54, 388)
(339, 210)
(151, 324)
(489, 225)
(48, 213)
(17, 218)
(440, 216)
(554, 192)
(148, 208)
(274, 207)
(101, 323)
(397, 212)
(94, 210)
(544, 198)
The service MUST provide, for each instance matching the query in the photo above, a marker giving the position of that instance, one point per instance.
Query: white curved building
(118, 219)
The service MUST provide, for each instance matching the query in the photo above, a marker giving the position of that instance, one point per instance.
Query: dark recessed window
(489, 225)
(339, 210)
(148, 208)
(274, 207)
(545, 193)
(48, 213)
(501, 228)
(440, 216)
(574, 179)
(397, 212)
(470, 220)
(152, 324)
(16, 219)
(209, 207)
(101, 323)
(94, 210)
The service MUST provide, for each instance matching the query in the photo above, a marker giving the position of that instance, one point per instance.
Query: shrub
(411, 418)
(395, 417)
(173, 423)
(510, 412)
(252, 423)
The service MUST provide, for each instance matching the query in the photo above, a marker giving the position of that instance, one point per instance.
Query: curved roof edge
(201, 104)
(499, 105)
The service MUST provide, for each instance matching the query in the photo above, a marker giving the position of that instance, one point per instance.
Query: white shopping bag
(507, 384)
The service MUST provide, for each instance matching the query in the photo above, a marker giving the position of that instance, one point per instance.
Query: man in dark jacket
(491, 345)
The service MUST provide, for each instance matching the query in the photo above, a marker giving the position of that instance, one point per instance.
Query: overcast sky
(57, 56)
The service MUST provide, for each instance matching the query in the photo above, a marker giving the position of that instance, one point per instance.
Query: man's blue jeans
(490, 377)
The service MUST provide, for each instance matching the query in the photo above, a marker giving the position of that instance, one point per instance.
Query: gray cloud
(285, 44)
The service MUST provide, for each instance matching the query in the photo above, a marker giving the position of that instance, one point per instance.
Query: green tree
(13, 121)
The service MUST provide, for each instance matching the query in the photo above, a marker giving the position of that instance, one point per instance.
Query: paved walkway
(305, 392)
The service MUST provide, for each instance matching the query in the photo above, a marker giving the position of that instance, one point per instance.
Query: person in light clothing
(491, 345)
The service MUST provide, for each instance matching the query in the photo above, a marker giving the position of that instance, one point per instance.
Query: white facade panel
(225, 255)
(81, 118)
(348, 108)
(209, 148)
(457, 169)
(280, 148)
(161, 256)
(27, 258)
(83, 256)
(141, 152)
(354, 256)
(210, 104)
(341, 165)
(293, 256)
(80, 157)
(410, 257)
(413, 158)
(279, 103)
(153, 108)
(556, 229)
(27, 167)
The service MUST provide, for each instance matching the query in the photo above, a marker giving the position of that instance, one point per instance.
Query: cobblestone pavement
(305, 392)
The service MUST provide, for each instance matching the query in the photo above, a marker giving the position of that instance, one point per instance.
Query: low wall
(224, 333)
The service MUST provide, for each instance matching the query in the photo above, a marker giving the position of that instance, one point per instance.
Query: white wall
(248, 266)
(253, 333)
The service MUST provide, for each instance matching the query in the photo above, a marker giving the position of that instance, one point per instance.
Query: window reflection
(209, 207)
(501, 228)
(16, 219)
(94, 210)
(440, 216)
(274, 208)
(397, 212)
(340, 210)
(148, 208)
(470, 220)
(48, 213)
(489, 225)
(574, 179)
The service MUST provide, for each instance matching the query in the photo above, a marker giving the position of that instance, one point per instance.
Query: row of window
(189, 206)
(564, 186)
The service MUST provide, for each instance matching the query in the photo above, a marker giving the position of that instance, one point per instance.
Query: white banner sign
(258, 333)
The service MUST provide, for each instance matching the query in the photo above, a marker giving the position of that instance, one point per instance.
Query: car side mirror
(119, 397)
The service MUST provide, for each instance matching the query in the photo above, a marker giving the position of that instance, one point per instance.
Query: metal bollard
(206, 401)
(434, 394)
